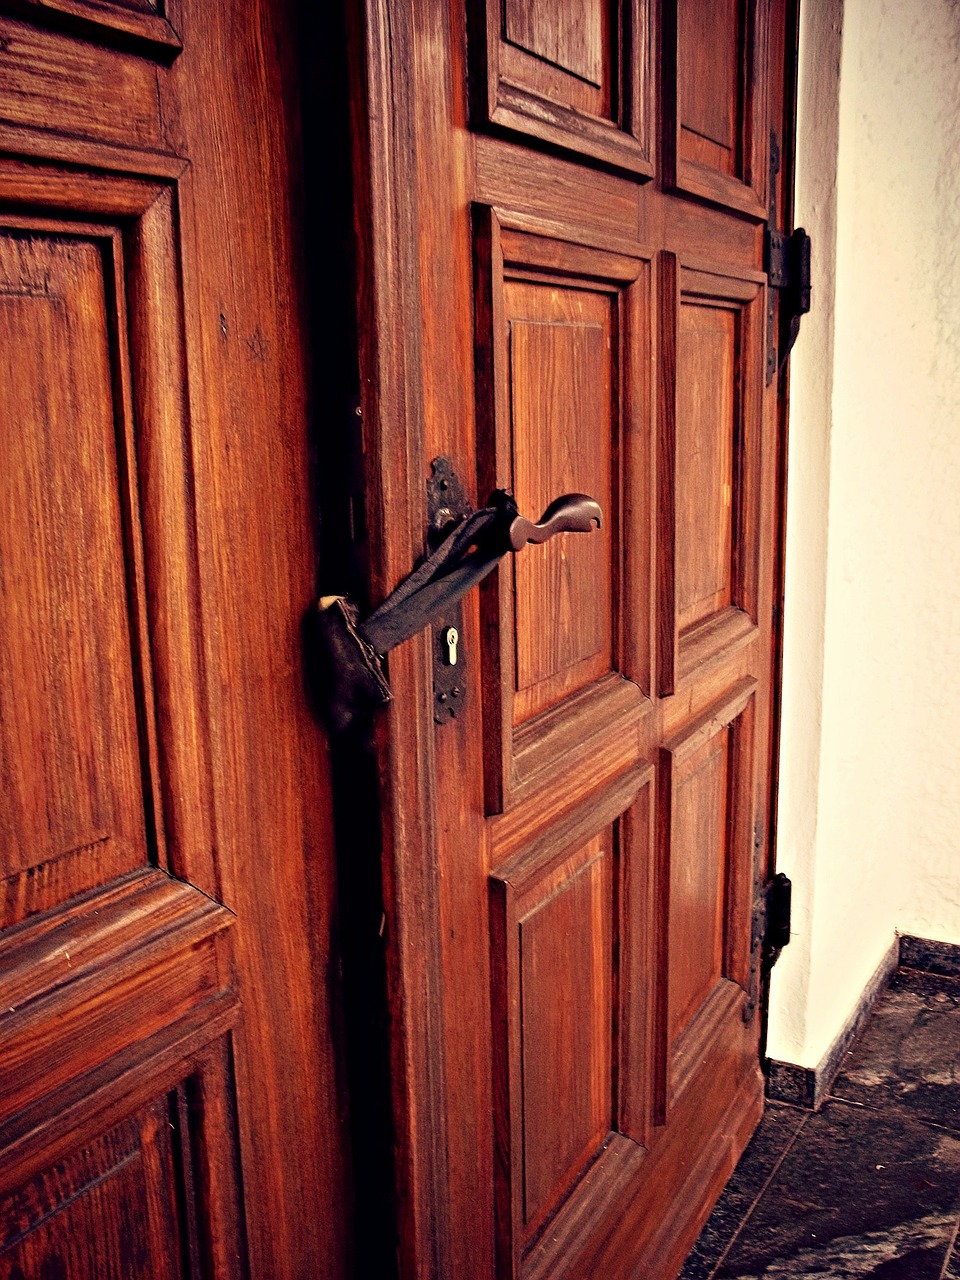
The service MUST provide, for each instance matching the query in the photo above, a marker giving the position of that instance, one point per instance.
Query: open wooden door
(167, 1079)
(565, 291)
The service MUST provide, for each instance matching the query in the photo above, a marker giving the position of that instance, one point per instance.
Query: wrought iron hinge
(776, 934)
(770, 931)
(786, 260)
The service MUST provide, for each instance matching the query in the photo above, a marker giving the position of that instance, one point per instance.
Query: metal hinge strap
(786, 260)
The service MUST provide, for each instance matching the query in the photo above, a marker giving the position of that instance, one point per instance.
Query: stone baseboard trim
(809, 1086)
(930, 957)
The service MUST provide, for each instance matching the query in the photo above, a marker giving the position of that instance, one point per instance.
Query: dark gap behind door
(331, 271)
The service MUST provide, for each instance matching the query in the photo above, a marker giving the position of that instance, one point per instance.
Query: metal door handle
(352, 649)
(571, 513)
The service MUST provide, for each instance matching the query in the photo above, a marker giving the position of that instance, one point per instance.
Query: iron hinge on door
(770, 931)
(776, 934)
(786, 260)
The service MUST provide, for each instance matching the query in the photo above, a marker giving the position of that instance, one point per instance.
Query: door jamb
(788, 152)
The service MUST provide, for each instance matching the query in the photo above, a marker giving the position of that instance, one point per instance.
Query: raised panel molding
(704, 887)
(709, 466)
(716, 141)
(133, 223)
(124, 1200)
(577, 73)
(568, 642)
(70, 546)
(138, 25)
(572, 924)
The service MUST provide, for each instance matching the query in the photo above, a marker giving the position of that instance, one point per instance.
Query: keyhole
(451, 638)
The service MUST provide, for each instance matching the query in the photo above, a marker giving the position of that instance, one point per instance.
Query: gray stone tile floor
(868, 1186)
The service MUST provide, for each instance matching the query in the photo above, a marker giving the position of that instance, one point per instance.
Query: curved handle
(570, 513)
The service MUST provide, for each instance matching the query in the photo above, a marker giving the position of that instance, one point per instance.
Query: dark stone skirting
(809, 1086)
(930, 957)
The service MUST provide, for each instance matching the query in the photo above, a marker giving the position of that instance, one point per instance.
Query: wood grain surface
(170, 1103)
(563, 210)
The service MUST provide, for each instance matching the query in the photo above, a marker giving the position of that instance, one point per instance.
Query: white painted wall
(870, 767)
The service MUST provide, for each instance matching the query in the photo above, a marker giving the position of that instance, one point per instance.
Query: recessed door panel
(108, 1210)
(573, 36)
(698, 875)
(710, 458)
(709, 81)
(571, 916)
(564, 939)
(561, 398)
(69, 737)
(575, 73)
(559, 327)
(716, 141)
(707, 780)
(706, 391)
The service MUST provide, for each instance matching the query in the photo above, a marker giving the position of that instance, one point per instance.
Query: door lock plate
(447, 504)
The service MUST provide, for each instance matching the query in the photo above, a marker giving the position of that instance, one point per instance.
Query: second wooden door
(169, 1102)
(566, 288)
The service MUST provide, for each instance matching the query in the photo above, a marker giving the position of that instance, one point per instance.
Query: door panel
(93, 1203)
(560, 331)
(572, 861)
(70, 740)
(168, 1103)
(576, 73)
(706, 813)
(715, 105)
(710, 463)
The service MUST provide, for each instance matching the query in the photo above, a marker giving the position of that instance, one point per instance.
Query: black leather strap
(354, 682)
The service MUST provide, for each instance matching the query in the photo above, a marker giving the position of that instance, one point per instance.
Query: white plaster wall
(870, 769)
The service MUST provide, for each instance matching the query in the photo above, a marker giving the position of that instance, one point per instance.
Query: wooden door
(167, 1078)
(563, 229)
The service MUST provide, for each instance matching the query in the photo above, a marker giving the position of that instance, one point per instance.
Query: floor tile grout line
(887, 1105)
(759, 1196)
(950, 1248)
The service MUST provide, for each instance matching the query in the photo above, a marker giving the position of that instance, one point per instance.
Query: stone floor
(869, 1186)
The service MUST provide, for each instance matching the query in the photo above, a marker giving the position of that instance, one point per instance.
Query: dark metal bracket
(447, 502)
(770, 931)
(786, 260)
(779, 896)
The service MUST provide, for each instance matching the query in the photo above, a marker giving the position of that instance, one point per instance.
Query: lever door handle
(476, 542)
(570, 513)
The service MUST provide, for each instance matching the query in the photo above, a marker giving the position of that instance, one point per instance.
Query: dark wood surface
(169, 1104)
(562, 287)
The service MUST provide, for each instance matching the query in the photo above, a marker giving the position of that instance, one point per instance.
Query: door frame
(788, 182)
(394, 471)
